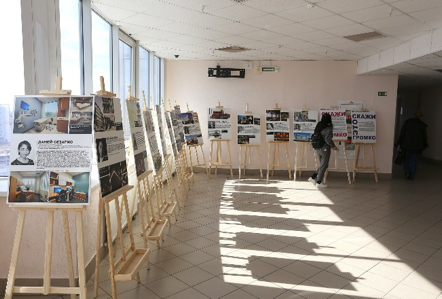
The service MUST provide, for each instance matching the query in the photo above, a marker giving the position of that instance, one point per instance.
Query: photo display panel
(191, 128)
(109, 144)
(170, 131)
(219, 124)
(304, 124)
(249, 129)
(339, 120)
(277, 125)
(165, 147)
(137, 136)
(51, 150)
(363, 124)
(157, 159)
(178, 127)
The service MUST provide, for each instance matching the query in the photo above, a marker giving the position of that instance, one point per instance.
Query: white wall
(298, 83)
(431, 106)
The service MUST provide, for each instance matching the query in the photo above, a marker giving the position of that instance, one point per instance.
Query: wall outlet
(249, 65)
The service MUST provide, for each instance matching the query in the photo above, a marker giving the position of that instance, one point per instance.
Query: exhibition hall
(221, 149)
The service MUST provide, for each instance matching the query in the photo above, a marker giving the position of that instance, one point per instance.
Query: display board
(219, 124)
(137, 136)
(339, 120)
(157, 159)
(51, 150)
(363, 124)
(191, 128)
(109, 143)
(304, 124)
(277, 125)
(165, 147)
(249, 129)
(179, 129)
(170, 130)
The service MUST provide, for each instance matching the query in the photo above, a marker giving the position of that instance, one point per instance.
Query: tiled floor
(247, 239)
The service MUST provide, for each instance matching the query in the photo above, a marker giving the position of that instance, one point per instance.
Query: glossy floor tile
(286, 239)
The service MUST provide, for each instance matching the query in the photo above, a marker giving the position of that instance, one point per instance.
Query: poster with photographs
(109, 144)
(149, 118)
(51, 150)
(137, 136)
(166, 145)
(191, 128)
(249, 129)
(304, 124)
(363, 124)
(178, 127)
(339, 120)
(219, 123)
(170, 131)
(277, 125)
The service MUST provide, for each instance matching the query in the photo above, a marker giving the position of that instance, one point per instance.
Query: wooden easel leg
(191, 160)
(211, 159)
(275, 149)
(346, 163)
(204, 157)
(80, 254)
(48, 252)
(67, 239)
(141, 212)
(119, 228)
(355, 163)
(129, 222)
(268, 162)
(15, 253)
(288, 160)
(111, 255)
(240, 162)
(97, 255)
(374, 164)
(230, 159)
(296, 161)
(259, 159)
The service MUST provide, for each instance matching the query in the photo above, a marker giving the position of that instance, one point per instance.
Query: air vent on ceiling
(233, 49)
(364, 36)
(239, 1)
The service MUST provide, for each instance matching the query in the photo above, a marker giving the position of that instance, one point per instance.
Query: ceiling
(273, 29)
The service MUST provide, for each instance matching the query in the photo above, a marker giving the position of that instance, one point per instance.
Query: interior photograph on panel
(336, 194)
(41, 115)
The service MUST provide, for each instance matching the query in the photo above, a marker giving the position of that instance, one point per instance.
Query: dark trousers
(410, 163)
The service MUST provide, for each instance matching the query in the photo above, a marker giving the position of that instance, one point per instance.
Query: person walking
(412, 141)
(325, 127)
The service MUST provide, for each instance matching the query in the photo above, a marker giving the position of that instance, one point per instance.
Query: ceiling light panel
(328, 22)
(372, 13)
(349, 30)
(302, 14)
(267, 21)
(343, 6)
(238, 12)
(409, 6)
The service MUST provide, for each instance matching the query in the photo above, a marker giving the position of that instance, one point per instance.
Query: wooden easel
(248, 153)
(165, 208)
(195, 148)
(219, 155)
(276, 155)
(50, 209)
(356, 166)
(126, 267)
(304, 150)
(335, 167)
(47, 288)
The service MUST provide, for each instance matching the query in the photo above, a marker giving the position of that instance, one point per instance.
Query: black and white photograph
(25, 155)
(101, 146)
(211, 124)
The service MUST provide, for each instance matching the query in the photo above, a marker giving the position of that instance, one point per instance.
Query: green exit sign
(382, 93)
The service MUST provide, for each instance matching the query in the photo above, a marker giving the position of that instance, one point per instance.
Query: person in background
(412, 141)
(325, 126)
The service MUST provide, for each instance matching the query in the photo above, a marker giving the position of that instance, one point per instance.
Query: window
(101, 52)
(70, 45)
(144, 75)
(11, 59)
(157, 80)
(125, 67)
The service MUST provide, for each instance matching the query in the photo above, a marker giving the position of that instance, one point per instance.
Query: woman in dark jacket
(325, 126)
(412, 140)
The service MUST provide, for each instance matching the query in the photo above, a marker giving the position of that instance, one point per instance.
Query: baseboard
(284, 173)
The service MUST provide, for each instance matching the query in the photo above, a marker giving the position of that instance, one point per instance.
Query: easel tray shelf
(132, 266)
